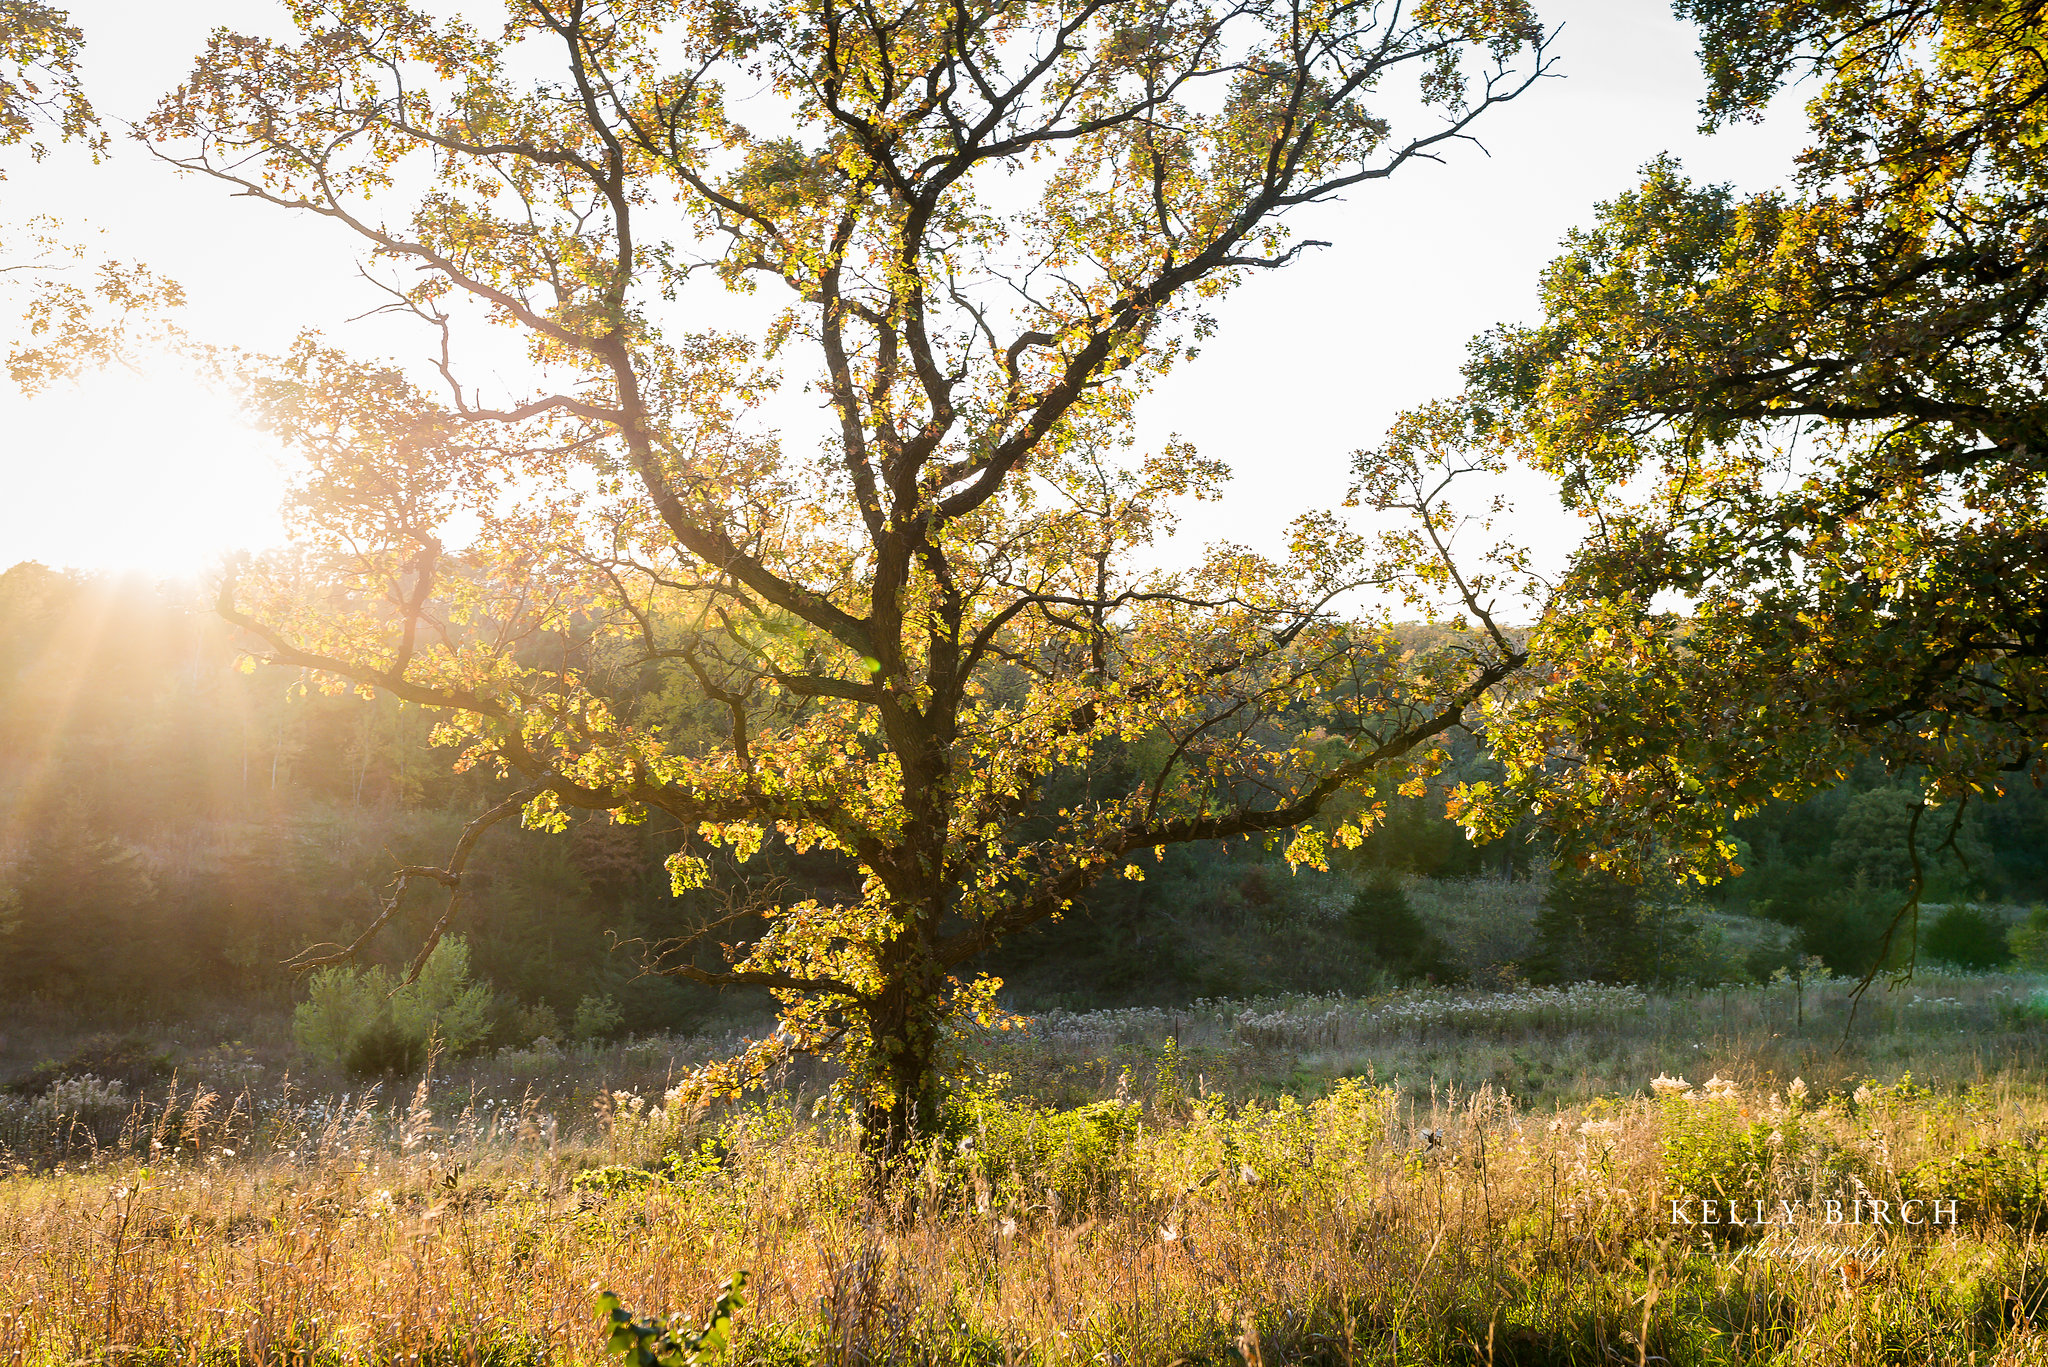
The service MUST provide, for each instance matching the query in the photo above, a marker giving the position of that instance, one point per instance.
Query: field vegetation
(1427, 1175)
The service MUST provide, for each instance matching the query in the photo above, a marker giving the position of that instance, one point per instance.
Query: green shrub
(655, 1343)
(674, 1169)
(2004, 1181)
(2029, 939)
(597, 1018)
(382, 1049)
(367, 1024)
(1026, 1154)
(525, 1024)
(616, 1179)
(1384, 924)
(1322, 1147)
(341, 1004)
(1596, 927)
(444, 1002)
(1711, 1153)
(1967, 938)
(1707, 958)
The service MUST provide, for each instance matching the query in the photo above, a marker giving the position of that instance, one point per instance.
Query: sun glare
(148, 472)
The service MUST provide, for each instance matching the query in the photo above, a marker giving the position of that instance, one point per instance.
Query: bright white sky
(149, 471)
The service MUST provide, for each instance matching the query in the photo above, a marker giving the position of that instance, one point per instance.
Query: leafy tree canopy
(72, 318)
(1807, 428)
(991, 227)
(39, 83)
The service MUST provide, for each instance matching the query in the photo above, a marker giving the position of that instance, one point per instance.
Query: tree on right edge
(1809, 430)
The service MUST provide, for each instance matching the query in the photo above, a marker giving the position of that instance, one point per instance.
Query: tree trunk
(901, 1082)
(903, 1092)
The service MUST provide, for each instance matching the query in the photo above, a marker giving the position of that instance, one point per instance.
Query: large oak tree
(989, 226)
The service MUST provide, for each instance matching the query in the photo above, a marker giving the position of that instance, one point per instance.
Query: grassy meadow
(1423, 1176)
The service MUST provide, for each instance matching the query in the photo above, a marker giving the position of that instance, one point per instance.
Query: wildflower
(1600, 1128)
(1797, 1091)
(1719, 1087)
(1669, 1086)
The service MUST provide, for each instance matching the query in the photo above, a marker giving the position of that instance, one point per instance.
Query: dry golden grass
(1382, 1223)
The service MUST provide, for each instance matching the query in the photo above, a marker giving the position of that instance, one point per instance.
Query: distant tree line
(175, 829)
